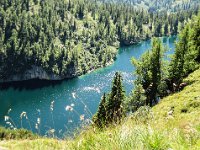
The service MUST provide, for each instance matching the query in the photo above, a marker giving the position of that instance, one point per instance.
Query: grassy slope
(180, 131)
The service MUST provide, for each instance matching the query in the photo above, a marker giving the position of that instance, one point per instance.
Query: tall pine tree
(115, 100)
(156, 62)
(111, 108)
(177, 64)
(100, 117)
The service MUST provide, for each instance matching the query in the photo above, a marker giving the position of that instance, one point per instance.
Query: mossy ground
(172, 124)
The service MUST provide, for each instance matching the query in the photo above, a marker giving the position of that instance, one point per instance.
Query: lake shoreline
(41, 74)
(35, 96)
(55, 78)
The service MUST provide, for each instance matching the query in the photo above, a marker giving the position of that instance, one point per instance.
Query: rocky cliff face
(38, 73)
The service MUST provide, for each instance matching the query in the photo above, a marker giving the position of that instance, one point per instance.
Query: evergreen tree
(186, 56)
(99, 118)
(156, 62)
(149, 71)
(111, 108)
(136, 99)
(195, 37)
(177, 64)
(28, 29)
(114, 105)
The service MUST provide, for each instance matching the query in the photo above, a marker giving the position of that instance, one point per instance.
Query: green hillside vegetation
(7, 134)
(169, 5)
(70, 37)
(172, 124)
(156, 78)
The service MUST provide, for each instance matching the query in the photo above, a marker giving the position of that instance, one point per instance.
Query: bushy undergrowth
(8, 134)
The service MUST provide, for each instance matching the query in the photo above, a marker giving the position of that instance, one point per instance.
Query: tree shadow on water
(31, 84)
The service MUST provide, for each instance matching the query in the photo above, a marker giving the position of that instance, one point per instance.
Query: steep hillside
(155, 5)
(172, 124)
(64, 38)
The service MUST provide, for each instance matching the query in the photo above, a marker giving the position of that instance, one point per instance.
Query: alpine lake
(60, 108)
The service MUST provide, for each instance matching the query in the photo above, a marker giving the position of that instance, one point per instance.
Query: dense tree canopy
(186, 58)
(154, 79)
(154, 5)
(70, 37)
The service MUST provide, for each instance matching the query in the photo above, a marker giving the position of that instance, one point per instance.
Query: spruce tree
(177, 64)
(187, 51)
(99, 118)
(115, 100)
(136, 99)
(111, 106)
(156, 60)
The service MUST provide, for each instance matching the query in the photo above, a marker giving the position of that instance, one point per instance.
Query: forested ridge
(67, 38)
(123, 122)
(154, 5)
(85, 36)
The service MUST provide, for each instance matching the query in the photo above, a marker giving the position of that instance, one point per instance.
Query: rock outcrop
(37, 72)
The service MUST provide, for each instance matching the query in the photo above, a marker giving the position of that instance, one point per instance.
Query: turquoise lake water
(82, 94)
